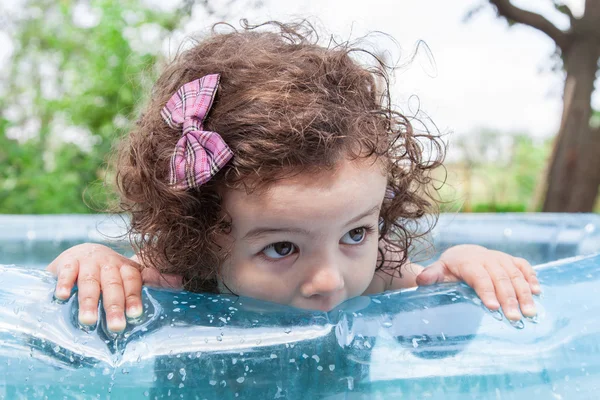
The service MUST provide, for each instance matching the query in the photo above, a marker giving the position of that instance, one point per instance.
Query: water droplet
(415, 342)
(533, 320)
(316, 358)
(497, 315)
(350, 383)
(240, 379)
(517, 324)
(387, 324)
(220, 338)
(170, 375)
(320, 368)
(212, 382)
(331, 367)
(273, 356)
(376, 301)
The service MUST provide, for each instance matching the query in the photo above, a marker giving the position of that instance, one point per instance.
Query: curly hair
(285, 106)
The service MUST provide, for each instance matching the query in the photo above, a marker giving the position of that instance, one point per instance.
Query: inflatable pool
(437, 342)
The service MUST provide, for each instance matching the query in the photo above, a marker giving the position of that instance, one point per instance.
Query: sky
(464, 76)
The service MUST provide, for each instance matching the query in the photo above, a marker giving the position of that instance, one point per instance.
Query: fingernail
(536, 288)
(512, 313)
(62, 292)
(134, 312)
(529, 310)
(493, 304)
(117, 324)
(87, 318)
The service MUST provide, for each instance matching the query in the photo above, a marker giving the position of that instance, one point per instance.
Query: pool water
(437, 342)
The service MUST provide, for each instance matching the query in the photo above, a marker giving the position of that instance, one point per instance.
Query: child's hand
(98, 268)
(498, 278)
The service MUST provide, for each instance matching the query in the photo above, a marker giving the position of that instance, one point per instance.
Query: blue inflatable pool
(437, 342)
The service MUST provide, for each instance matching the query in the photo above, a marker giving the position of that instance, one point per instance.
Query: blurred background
(508, 84)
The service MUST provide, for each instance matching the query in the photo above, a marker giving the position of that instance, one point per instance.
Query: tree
(573, 176)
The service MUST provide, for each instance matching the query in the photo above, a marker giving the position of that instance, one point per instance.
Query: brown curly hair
(285, 105)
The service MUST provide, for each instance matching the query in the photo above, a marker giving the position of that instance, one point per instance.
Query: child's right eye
(279, 250)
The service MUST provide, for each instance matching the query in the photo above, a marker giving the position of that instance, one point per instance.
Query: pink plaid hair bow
(199, 154)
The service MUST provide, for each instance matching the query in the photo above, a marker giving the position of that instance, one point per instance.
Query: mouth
(325, 304)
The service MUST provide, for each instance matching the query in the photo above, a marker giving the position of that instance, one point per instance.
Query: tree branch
(563, 8)
(506, 9)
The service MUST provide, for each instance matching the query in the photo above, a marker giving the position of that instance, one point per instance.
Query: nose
(324, 280)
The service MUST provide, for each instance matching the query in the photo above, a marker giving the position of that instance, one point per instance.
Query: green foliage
(66, 75)
(511, 182)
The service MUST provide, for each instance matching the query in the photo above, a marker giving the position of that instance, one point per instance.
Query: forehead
(353, 187)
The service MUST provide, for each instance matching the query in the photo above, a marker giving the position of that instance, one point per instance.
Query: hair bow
(199, 154)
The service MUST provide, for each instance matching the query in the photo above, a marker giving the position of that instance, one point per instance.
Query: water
(436, 342)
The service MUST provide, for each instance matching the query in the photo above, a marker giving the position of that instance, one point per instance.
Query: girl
(268, 166)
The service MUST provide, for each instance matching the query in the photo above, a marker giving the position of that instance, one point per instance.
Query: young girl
(268, 166)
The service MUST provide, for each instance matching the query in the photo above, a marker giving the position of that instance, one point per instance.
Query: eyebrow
(260, 231)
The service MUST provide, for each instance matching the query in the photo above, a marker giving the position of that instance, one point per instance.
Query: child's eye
(355, 236)
(279, 250)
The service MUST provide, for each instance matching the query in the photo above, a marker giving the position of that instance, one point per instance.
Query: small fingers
(67, 275)
(132, 283)
(508, 282)
(88, 284)
(522, 289)
(432, 274)
(529, 274)
(481, 281)
(113, 298)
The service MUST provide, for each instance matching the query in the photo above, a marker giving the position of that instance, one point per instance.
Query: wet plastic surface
(437, 342)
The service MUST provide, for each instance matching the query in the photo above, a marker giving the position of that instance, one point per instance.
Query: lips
(325, 303)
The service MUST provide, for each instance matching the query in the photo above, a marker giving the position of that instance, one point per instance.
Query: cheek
(244, 278)
(363, 269)
(367, 271)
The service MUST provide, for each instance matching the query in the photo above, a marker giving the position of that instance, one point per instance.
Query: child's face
(310, 241)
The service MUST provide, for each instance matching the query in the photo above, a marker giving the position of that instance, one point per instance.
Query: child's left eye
(355, 236)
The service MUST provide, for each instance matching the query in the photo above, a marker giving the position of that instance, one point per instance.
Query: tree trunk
(574, 173)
